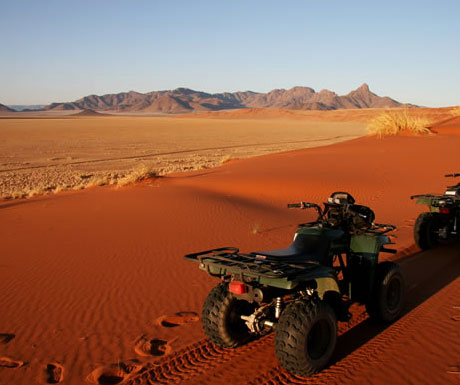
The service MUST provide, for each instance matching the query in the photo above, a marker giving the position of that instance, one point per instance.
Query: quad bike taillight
(444, 210)
(238, 287)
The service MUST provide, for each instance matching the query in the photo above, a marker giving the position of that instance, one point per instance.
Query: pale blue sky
(61, 50)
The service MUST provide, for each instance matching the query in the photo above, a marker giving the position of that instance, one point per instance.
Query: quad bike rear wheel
(387, 297)
(425, 231)
(305, 337)
(221, 317)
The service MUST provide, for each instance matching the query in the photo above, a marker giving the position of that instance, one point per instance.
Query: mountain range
(183, 100)
(4, 108)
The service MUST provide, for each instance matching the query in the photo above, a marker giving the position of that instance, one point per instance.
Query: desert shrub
(455, 111)
(397, 121)
(225, 159)
(136, 175)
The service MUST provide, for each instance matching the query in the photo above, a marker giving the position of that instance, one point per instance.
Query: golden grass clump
(396, 122)
(136, 175)
(455, 111)
(225, 159)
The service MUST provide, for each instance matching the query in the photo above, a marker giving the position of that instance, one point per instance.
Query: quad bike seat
(305, 248)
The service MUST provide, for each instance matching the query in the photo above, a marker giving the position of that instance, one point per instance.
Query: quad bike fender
(323, 279)
(326, 285)
(369, 246)
(423, 201)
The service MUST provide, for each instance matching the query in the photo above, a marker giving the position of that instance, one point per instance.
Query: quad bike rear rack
(229, 260)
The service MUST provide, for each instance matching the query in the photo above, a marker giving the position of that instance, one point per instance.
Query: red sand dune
(94, 287)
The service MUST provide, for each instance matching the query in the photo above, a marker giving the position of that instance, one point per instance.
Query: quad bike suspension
(259, 321)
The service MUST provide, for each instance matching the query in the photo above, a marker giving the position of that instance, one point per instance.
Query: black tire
(305, 337)
(426, 231)
(387, 297)
(221, 317)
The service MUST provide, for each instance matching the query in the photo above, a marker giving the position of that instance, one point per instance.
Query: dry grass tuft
(136, 175)
(396, 122)
(255, 229)
(225, 159)
(455, 111)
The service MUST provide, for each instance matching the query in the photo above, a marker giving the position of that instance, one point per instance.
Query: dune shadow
(426, 273)
(186, 176)
(10, 203)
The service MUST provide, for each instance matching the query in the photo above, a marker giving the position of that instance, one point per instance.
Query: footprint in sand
(6, 362)
(54, 373)
(115, 373)
(180, 318)
(6, 337)
(147, 347)
(453, 369)
(456, 317)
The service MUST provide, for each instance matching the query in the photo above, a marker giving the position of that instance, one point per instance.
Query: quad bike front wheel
(305, 337)
(221, 317)
(426, 231)
(387, 297)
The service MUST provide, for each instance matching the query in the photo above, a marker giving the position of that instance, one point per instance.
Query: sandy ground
(40, 154)
(95, 290)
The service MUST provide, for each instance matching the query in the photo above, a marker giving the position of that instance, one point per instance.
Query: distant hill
(183, 100)
(89, 112)
(26, 107)
(4, 108)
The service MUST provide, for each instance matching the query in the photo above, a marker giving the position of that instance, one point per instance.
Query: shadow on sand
(426, 273)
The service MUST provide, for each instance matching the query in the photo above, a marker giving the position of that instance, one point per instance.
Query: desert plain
(95, 289)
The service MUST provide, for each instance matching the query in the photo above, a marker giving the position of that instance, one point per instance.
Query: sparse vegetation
(398, 121)
(136, 175)
(225, 159)
(255, 229)
(455, 111)
(132, 176)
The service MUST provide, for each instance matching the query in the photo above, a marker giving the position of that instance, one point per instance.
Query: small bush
(225, 159)
(455, 111)
(395, 122)
(136, 175)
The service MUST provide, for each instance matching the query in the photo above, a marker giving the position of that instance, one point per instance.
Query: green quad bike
(443, 219)
(302, 291)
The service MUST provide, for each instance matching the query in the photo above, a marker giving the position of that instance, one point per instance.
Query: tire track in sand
(191, 361)
(205, 358)
(360, 344)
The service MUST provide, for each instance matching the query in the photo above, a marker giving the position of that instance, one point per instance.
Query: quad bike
(443, 219)
(302, 291)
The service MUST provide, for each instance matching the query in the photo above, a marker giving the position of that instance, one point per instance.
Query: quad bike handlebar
(301, 205)
(347, 211)
(422, 196)
(454, 175)
(307, 205)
